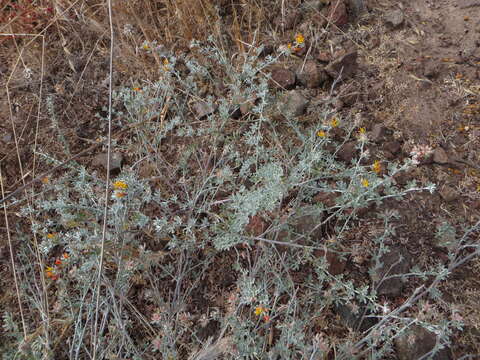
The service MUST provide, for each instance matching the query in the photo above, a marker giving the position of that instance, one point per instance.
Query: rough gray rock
(416, 342)
(345, 66)
(395, 262)
(449, 194)
(203, 109)
(394, 18)
(311, 75)
(283, 78)
(293, 103)
(353, 318)
(440, 156)
(378, 133)
(116, 160)
(347, 152)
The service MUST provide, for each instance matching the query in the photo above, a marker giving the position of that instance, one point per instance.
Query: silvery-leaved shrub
(203, 184)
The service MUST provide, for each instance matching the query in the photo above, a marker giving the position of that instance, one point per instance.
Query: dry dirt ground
(417, 82)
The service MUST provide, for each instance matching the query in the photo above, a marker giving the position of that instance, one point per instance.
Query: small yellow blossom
(321, 133)
(50, 236)
(260, 310)
(120, 185)
(365, 183)
(146, 47)
(299, 39)
(289, 46)
(137, 89)
(49, 271)
(165, 64)
(45, 180)
(334, 122)
(362, 130)
(377, 167)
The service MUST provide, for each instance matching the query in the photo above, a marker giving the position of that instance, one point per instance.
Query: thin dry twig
(40, 262)
(107, 186)
(12, 260)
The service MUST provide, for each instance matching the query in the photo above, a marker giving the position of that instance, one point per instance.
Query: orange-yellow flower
(65, 255)
(49, 271)
(377, 167)
(365, 183)
(120, 185)
(45, 180)
(50, 236)
(299, 39)
(260, 310)
(334, 122)
(321, 133)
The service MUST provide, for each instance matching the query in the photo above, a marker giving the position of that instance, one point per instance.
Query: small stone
(256, 226)
(116, 160)
(311, 75)
(289, 21)
(393, 147)
(243, 105)
(203, 109)
(391, 265)
(394, 18)
(378, 133)
(337, 13)
(326, 198)
(356, 7)
(319, 20)
(344, 66)
(347, 152)
(7, 138)
(306, 222)
(448, 193)
(336, 265)
(314, 5)
(324, 56)
(415, 342)
(431, 69)
(440, 156)
(283, 78)
(267, 50)
(338, 104)
(350, 99)
(294, 103)
(353, 316)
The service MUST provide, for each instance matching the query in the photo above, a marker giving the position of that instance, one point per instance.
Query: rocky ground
(406, 71)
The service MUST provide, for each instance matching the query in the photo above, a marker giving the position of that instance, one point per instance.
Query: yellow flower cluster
(120, 188)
